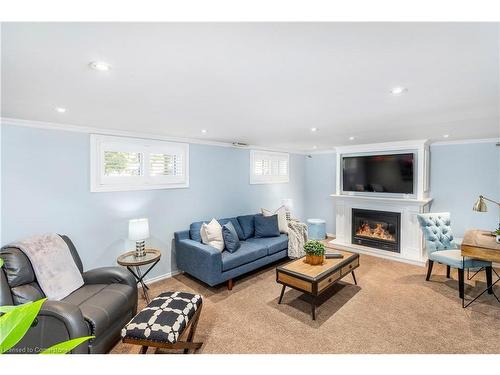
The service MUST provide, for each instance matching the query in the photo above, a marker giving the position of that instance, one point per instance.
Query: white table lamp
(138, 231)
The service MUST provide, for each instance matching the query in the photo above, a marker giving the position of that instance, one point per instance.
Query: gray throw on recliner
(54, 267)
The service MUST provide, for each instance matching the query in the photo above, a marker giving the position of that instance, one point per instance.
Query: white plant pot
(498, 238)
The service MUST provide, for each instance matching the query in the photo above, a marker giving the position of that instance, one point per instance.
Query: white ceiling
(265, 84)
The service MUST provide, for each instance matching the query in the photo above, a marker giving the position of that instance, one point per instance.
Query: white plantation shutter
(165, 165)
(268, 167)
(120, 163)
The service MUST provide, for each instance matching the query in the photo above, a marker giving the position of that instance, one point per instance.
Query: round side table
(130, 261)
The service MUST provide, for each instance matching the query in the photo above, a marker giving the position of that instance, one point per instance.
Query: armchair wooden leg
(429, 269)
(461, 284)
(230, 284)
(489, 279)
(448, 272)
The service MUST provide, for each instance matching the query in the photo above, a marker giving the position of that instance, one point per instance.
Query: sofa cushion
(247, 226)
(282, 221)
(102, 305)
(231, 240)
(248, 252)
(235, 223)
(194, 230)
(273, 244)
(266, 226)
(211, 234)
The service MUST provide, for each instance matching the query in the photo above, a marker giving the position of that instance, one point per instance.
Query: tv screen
(378, 173)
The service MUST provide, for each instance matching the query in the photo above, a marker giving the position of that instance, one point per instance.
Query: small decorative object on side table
(130, 260)
(315, 252)
(138, 231)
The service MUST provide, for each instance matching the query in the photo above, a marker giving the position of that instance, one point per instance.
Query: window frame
(268, 179)
(101, 183)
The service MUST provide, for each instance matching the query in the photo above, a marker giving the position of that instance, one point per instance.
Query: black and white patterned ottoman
(164, 320)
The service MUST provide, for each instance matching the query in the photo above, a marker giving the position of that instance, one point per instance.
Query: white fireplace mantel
(411, 245)
(411, 242)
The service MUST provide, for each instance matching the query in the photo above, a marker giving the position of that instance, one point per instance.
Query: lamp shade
(288, 203)
(480, 205)
(138, 229)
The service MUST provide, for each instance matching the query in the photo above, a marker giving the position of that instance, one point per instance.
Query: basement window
(269, 167)
(122, 163)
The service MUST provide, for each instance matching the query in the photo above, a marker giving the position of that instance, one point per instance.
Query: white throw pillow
(282, 221)
(211, 234)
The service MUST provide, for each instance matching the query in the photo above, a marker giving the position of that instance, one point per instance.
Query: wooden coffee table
(315, 280)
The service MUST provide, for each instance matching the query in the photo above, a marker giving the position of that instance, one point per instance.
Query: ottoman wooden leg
(192, 331)
(144, 349)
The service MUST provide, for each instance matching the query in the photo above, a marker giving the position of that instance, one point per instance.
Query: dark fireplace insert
(378, 229)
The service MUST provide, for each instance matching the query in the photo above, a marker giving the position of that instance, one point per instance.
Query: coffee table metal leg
(281, 295)
(313, 308)
(354, 278)
(144, 287)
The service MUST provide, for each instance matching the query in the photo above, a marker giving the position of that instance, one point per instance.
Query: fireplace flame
(378, 232)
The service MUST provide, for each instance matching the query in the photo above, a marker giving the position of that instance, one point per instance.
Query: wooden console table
(480, 244)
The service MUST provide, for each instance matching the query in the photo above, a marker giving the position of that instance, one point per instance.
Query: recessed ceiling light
(315, 147)
(398, 90)
(351, 138)
(100, 65)
(204, 131)
(314, 129)
(446, 135)
(60, 109)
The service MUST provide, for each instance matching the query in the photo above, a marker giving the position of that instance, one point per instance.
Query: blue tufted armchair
(442, 248)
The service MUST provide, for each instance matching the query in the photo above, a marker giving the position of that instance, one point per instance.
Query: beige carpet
(392, 310)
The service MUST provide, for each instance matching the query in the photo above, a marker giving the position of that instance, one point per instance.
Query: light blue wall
(459, 173)
(45, 188)
(45, 180)
(320, 183)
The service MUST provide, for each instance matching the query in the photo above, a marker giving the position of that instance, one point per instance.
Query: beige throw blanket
(297, 237)
(55, 270)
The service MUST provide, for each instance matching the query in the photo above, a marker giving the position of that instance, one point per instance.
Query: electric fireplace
(378, 229)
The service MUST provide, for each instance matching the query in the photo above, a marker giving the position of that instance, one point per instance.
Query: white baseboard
(161, 277)
(330, 235)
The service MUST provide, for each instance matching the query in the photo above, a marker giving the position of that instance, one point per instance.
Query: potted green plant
(315, 252)
(497, 233)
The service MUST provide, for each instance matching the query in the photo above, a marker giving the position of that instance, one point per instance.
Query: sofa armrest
(199, 260)
(56, 322)
(181, 235)
(109, 275)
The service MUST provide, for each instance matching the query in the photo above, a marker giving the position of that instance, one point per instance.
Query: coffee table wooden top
(300, 267)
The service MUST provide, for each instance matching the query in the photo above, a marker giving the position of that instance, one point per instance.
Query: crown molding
(125, 133)
(465, 141)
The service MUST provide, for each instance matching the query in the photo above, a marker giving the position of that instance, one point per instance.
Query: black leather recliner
(101, 307)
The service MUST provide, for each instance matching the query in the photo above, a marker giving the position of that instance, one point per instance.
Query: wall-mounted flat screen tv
(378, 173)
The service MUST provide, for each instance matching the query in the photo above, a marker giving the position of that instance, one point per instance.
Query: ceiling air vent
(240, 144)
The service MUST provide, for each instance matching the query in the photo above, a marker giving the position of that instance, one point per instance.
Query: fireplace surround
(376, 229)
(410, 245)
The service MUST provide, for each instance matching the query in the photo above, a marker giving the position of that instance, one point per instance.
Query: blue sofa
(212, 266)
